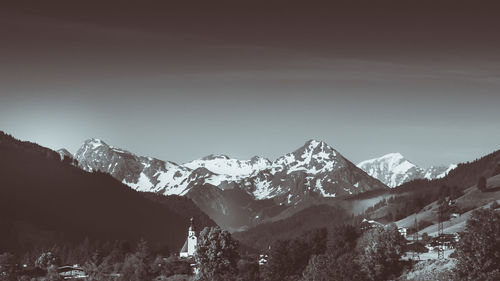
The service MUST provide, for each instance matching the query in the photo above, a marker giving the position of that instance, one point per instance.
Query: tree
(136, 266)
(342, 240)
(279, 263)
(46, 260)
(248, 270)
(172, 265)
(494, 205)
(478, 251)
(497, 170)
(328, 267)
(426, 238)
(380, 250)
(216, 255)
(481, 183)
(7, 267)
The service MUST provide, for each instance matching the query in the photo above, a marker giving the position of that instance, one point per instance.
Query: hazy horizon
(181, 81)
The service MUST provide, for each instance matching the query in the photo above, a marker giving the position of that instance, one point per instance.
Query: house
(189, 247)
(263, 259)
(368, 224)
(403, 231)
(71, 272)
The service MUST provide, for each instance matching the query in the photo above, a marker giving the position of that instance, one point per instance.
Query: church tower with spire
(189, 247)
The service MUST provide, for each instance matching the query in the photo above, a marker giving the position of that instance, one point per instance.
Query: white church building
(189, 247)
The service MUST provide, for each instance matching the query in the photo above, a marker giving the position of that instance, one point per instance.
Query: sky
(178, 80)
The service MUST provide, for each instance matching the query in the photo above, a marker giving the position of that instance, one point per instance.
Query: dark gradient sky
(180, 80)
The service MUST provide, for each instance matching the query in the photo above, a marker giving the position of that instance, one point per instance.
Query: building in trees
(189, 248)
(71, 272)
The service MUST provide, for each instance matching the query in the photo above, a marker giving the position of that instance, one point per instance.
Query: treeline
(118, 260)
(316, 216)
(344, 253)
(401, 206)
(45, 200)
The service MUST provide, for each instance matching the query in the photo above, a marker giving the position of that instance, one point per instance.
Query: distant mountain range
(314, 168)
(227, 189)
(394, 169)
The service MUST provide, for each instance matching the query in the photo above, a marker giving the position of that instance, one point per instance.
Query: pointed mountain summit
(394, 169)
(313, 157)
(313, 170)
(138, 172)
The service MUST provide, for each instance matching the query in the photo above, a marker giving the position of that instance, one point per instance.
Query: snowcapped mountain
(315, 169)
(140, 173)
(437, 172)
(233, 168)
(393, 169)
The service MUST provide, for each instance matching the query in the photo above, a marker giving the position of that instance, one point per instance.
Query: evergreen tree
(136, 266)
(7, 267)
(46, 260)
(280, 263)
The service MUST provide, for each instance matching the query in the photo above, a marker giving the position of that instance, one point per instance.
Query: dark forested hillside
(412, 196)
(44, 200)
(317, 216)
(182, 206)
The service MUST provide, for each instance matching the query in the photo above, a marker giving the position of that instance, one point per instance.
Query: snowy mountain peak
(395, 156)
(313, 155)
(94, 143)
(234, 169)
(261, 161)
(314, 143)
(215, 156)
(394, 169)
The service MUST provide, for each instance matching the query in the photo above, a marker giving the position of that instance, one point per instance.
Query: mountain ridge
(314, 170)
(314, 158)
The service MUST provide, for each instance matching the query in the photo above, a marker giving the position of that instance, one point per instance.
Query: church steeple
(189, 247)
(192, 230)
(191, 227)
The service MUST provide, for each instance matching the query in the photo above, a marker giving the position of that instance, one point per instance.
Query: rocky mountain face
(138, 172)
(394, 169)
(315, 168)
